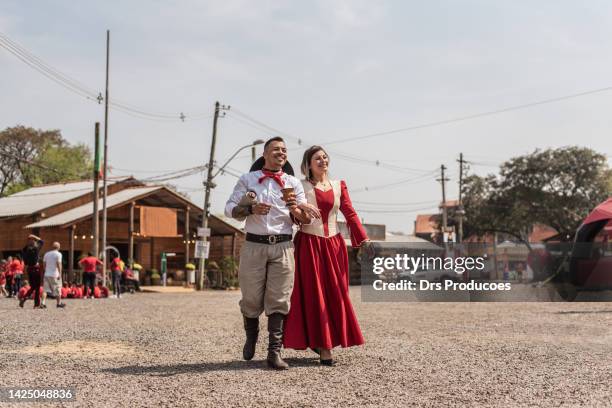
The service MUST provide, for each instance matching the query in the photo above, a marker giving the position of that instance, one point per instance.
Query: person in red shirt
(129, 279)
(3, 281)
(75, 291)
(101, 291)
(8, 277)
(64, 290)
(90, 266)
(17, 268)
(24, 289)
(116, 269)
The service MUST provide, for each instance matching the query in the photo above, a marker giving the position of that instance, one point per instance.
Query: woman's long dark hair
(308, 154)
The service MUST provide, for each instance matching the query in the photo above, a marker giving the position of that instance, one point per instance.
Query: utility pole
(461, 211)
(208, 185)
(96, 193)
(105, 187)
(443, 181)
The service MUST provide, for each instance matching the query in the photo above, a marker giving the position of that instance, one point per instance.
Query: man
(90, 266)
(52, 264)
(266, 259)
(30, 255)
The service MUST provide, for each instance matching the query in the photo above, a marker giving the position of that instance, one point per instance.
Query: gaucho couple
(314, 279)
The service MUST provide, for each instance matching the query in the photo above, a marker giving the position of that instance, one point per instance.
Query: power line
(78, 88)
(344, 156)
(472, 116)
(415, 180)
(394, 211)
(393, 204)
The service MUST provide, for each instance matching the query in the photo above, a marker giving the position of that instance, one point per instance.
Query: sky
(317, 72)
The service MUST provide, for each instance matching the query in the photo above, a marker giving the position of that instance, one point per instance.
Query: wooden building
(144, 221)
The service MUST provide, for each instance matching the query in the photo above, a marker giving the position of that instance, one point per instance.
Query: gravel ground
(184, 350)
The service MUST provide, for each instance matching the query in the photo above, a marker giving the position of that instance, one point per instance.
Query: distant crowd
(28, 276)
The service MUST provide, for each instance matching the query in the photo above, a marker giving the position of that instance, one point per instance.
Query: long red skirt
(321, 313)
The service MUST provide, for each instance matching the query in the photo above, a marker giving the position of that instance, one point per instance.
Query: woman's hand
(310, 210)
(367, 249)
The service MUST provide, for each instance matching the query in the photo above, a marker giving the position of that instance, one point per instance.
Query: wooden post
(152, 254)
(71, 231)
(234, 245)
(187, 238)
(131, 236)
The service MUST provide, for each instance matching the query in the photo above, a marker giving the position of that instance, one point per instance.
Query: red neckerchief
(274, 176)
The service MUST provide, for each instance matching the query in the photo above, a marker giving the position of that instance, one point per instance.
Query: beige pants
(266, 278)
(52, 285)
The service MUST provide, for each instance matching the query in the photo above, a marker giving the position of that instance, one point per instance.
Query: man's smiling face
(275, 155)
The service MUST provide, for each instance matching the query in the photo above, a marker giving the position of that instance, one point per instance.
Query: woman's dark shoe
(328, 363)
(317, 350)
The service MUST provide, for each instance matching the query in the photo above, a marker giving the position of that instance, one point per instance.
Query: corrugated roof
(87, 209)
(36, 199)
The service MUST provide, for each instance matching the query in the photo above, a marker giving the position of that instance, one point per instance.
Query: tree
(30, 157)
(555, 187)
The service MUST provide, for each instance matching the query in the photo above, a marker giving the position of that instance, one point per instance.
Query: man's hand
(261, 208)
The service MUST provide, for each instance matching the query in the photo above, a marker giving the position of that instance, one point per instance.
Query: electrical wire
(393, 204)
(78, 88)
(257, 124)
(413, 180)
(473, 116)
(394, 211)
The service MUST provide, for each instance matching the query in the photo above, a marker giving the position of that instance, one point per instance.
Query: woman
(321, 315)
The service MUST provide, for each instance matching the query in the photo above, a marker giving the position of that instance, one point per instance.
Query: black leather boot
(275, 329)
(251, 328)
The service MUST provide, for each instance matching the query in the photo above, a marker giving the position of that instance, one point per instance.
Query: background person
(116, 270)
(52, 264)
(8, 277)
(17, 268)
(3, 273)
(89, 265)
(30, 255)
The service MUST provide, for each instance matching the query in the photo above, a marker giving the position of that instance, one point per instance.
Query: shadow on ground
(174, 369)
(583, 311)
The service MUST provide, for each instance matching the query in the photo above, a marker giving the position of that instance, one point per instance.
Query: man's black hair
(274, 139)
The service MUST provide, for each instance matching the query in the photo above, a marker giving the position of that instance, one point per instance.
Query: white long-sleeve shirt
(278, 220)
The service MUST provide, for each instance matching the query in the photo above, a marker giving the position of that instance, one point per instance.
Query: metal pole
(105, 188)
(187, 238)
(253, 154)
(208, 185)
(72, 231)
(131, 237)
(460, 211)
(96, 194)
(443, 181)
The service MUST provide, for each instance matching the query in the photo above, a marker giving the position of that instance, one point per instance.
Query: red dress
(321, 314)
